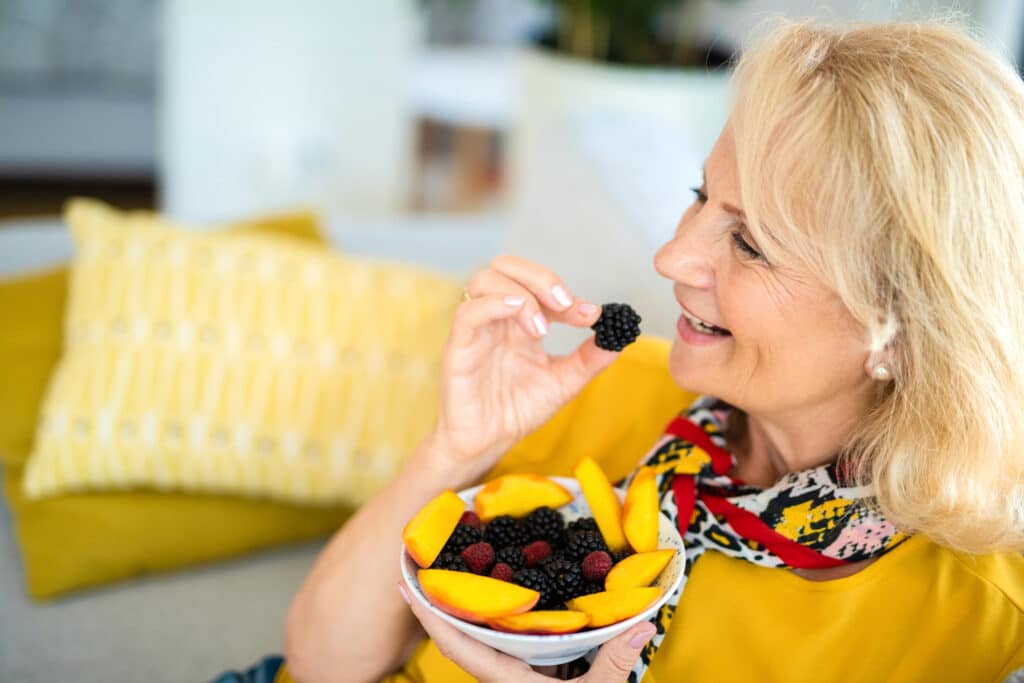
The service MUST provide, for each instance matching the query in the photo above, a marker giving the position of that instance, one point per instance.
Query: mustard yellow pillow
(75, 541)
(243, 364)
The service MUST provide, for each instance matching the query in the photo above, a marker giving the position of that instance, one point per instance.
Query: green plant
(659, 32)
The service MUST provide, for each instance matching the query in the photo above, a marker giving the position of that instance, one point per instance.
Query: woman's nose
(687, 257)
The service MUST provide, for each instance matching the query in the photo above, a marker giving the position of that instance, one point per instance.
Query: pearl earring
(881, 372)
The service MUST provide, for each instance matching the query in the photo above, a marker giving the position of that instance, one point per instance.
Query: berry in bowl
(544, 568)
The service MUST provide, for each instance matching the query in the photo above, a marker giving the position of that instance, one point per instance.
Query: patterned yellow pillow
(236, 363)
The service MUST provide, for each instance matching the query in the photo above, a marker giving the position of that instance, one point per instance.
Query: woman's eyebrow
(728, 207)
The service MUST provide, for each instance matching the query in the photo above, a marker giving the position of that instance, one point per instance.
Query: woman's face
(791, 344)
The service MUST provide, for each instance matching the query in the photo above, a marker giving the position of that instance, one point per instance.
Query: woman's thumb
(582, 365)
(616, 658)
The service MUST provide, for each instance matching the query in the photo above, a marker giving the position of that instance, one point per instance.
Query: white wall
(268, 104)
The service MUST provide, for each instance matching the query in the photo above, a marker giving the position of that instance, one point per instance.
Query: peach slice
(541, 622)
(518, 495)
(427, 532)
(475, 598)
(604, 504)
(610, 607)
(640, 511)
(638, 570)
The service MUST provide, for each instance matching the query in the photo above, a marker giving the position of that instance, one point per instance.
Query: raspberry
(470, 518)
(545, 524)
(505, 531)
(566, 578)
(618, 326)
(479, 557)
(535, 579)
(462, 537)
(450, 561)
(583, 543)
(513, 557)
(536, 551)
(502, 571)
(596, 566)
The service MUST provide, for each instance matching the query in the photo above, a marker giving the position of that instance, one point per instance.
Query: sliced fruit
(638, 570)
(541, 622)
(610, 607)
(475, 598)
(518, 495)
(604, 504)
(427, 532)
(640, 511)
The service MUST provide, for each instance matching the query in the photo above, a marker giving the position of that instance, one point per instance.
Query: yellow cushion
(75, 541)
(244, 364)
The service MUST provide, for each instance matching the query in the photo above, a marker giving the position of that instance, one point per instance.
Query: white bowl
(556, 649)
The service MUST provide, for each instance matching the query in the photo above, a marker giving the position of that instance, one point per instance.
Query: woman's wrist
(437, 462)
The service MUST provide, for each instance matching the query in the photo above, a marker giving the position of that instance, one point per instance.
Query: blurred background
(479, 125)
(435, 132)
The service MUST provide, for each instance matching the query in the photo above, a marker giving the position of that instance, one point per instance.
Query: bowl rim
(483, 630)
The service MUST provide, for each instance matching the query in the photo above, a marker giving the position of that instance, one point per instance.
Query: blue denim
(263, 672)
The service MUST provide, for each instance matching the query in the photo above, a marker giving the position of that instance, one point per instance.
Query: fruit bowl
(544, 650)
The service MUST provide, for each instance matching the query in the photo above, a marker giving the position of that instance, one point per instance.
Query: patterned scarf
(811, 519)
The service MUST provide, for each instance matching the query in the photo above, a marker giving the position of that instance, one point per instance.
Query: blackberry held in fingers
(618, 326)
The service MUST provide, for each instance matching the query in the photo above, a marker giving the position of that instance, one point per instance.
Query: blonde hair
(890, 159)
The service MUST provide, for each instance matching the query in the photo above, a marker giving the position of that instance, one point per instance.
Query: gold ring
(466, 296)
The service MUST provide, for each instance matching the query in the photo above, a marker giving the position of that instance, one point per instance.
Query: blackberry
(463, 537)
(537, 580)
(618, 326)
(511, 556)
(545, 524)
(620, 556)
(450, 561)
(581, 524)
(505, 531)
(566, 577)
(583, 543)
(588, 588)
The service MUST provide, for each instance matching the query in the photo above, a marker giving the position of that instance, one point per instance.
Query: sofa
(189, 625)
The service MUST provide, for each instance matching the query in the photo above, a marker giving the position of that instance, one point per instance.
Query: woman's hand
(497, 382)
(614, 660)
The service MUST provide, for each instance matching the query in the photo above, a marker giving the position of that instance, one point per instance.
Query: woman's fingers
(547, 287)
(486, 664)
(540, 309)
(470, 316)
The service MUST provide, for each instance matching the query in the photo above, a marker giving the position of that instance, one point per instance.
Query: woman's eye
(699, 194)
(743, 246)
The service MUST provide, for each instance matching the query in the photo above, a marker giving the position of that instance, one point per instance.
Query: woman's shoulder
(1002, 573)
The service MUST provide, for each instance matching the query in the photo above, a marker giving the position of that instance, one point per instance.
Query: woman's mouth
(702, 327)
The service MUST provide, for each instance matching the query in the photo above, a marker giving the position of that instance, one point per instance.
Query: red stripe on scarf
(750, 526)
(721, 460)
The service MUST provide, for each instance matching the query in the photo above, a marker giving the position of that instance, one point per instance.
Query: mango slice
(640, 511)
(427, 532)
(604, 504)
(541, 622)
(638, 570)
(475, 598)
(518, 495)
(610, 607)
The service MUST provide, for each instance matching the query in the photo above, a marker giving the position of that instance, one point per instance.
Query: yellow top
(921, 612)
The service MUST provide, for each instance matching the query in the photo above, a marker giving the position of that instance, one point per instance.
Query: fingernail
(540, 323)
(587, 308)
(405, 596)
(641, 635)
(514, 300)
(561, 296)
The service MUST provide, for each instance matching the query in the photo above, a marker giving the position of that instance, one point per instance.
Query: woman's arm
(348, 621)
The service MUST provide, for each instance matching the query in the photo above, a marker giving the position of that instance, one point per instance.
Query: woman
(851, 283)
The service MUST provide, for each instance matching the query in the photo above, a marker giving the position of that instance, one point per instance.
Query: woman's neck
(766, 449)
